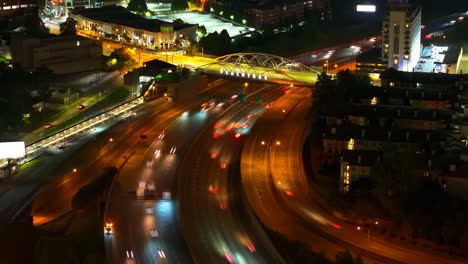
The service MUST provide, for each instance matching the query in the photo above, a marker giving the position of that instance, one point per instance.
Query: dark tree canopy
(202, 30)
(216, 44)
(68, 27)
(179, 5)
(120, 59)
(138, 6)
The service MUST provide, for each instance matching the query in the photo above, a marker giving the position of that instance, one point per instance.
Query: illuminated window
(351, 144)
(374, 101)
(395, 61)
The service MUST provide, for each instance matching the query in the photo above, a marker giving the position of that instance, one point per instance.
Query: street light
(326, 66)
(75, 170)
(368, 231)
(278, 143)
(263, 143)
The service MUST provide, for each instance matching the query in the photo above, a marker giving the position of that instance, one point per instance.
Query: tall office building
(401, 43)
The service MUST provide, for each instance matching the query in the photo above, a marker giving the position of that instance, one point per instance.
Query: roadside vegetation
(295, 252)
(116, 97)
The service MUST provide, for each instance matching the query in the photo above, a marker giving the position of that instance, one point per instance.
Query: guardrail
(67, 132)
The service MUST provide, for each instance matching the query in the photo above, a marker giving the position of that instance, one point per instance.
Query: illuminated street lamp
(75, 170)
(278, 143)
(368, 230)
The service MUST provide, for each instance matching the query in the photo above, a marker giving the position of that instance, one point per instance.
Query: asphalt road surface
(217, 225)
(277, 189)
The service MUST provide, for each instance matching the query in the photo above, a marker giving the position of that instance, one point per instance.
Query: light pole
(368, 230)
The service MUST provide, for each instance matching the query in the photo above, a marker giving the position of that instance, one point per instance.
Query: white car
(151, 187)
(173, 150)
(154, 233)
(129, 254)
(161, 254)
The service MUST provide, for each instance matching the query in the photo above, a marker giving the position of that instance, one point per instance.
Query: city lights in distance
(366, 8)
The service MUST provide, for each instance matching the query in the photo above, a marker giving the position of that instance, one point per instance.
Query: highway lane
(217, 226)
(101, 152)
(280, 180)
(126, 141)
(336, 53)
(257, 183)
(144, 231)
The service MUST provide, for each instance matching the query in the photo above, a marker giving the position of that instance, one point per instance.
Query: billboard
(12, 150)
(366, 8)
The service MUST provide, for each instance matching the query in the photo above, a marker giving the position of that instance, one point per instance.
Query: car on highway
(154, 233)
(129, 254)
(47, 125)
(162, 256)
(109, 228)
(81, 107)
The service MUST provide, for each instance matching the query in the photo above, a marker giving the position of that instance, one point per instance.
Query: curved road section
(277, 189)
(217, 225)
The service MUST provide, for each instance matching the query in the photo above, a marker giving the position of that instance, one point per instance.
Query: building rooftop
(119, 15)
(158, 64)
(410, 93)
(154, 67)
(391, 74)
(395, 135)
(389, 111)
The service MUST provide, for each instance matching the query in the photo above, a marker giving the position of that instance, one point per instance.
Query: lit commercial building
(118, 24)
(60, 7)
(401, 43)
(9, 6)
(62, 55)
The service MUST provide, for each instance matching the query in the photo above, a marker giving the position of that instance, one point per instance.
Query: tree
(179, 5)
(68, 27)
(394, 178)
(216, 44)
(138, 6)
(347, 258)
(328, 92)
(120, 59)
(201, 30)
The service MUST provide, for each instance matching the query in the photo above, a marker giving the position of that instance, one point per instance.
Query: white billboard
(12, 150)
(366, 8)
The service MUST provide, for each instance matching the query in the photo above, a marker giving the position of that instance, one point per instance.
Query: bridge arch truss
(259, 66)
